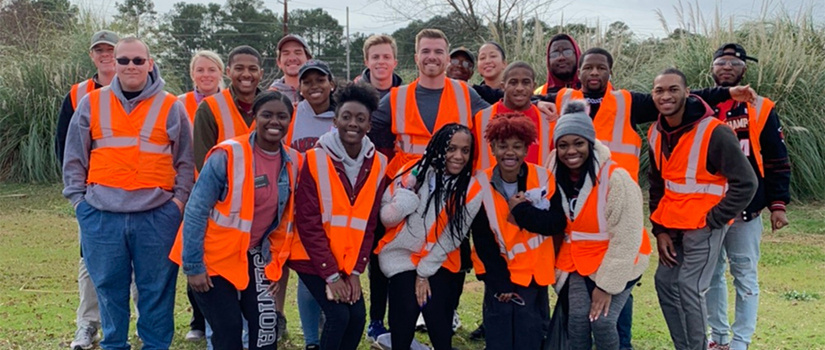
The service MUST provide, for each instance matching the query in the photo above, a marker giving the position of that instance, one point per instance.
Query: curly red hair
(506, 125)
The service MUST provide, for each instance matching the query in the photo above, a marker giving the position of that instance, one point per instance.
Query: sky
(376, 16)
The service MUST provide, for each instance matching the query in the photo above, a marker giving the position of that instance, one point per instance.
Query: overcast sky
(373, 16)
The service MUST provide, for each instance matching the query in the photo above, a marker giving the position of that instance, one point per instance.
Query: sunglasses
(733, 63)
(465, 64)
(123, 61)
(566, 53)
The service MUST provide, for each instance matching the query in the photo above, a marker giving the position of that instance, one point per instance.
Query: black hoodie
(725, 157)
(365, 77)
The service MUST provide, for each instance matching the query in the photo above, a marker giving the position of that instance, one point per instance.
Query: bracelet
(422, 279)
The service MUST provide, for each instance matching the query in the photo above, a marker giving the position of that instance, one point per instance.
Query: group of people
(530, 186)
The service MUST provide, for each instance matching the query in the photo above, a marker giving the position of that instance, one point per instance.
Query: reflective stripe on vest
(111, 141)
(616, 145)
(601, 211)
(489, 205)
(223, 101)
(757, 120)
(81, 89)
(484, 151)
(690, 185)
(485, 155)
(234, 220)
(405, 142)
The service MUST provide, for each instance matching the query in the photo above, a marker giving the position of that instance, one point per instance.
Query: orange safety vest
(690, 190)
(485, 158)
(412, 135)
(345, 223)
(79, 90)
(453, 261)
(587, 237)
(613, 127)
(228, 227)
(758, 114)
(529, 256)
(130, 151)
(191, 104)
(229, 120)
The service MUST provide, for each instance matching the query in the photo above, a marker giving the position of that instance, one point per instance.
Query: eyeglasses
(565, 52)
(465, 64)
(733, 63)
(123, 61)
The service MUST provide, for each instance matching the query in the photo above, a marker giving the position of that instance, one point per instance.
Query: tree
(324, 36)
(135, 17)
(454, 30)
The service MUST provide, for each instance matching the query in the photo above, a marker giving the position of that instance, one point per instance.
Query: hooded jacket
(79, 146)
(308, 209)
(725, 157)
(553, 82)
(625, 221)
(365, 77)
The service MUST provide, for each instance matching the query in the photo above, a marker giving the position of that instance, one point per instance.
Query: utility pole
(348, 44)
(286, 18)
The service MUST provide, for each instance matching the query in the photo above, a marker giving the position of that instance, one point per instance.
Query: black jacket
(724, 157)
(544, 222)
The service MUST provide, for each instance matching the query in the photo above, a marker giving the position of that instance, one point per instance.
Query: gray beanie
(575, 121)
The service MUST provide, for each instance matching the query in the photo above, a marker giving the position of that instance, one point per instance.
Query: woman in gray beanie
(605, 249)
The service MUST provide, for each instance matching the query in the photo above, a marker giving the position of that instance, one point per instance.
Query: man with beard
(293, 52)
(562, 65)
(760, 137)
(408, 116)
(699, 181)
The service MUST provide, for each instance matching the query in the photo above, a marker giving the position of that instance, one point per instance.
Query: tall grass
(33, 84)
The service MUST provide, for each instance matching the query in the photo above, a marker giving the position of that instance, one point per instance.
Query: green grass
(38, 290)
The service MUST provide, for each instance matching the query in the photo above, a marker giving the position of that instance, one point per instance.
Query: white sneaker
(420, 325)
(456, 321)
(195, 335)
(384, 342)
(85, 338)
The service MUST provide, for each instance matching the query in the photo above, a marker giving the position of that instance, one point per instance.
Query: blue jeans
(310, 313)
(625, 324)
(741, 248)
(114, 245)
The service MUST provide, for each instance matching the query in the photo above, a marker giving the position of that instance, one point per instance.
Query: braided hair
(449, 190)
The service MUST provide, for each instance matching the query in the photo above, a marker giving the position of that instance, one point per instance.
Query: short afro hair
(507, 125)
(598, 51)
(362, 93)
(244, 50)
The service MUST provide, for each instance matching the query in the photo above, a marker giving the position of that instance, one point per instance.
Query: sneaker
(478, 334)
(420, 325)
(375, 329)
(384, 342)
(714, 346)
(456, 321)
(195, 335)
(85, 338)
(282, 333)
(313, 347)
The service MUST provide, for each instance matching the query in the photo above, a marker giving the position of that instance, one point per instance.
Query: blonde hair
(132, 39)
(380, 39)
(211, 56)
(430, 33)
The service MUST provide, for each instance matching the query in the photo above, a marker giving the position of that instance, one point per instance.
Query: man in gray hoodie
(127, 170)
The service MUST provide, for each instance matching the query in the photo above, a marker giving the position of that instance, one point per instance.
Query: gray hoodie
(78, 150)
(308, 126)
(331, 142)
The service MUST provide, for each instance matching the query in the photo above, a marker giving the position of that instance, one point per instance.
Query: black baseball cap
(738, 52)
(318, 65)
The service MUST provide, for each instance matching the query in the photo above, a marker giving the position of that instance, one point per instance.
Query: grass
(38, 290)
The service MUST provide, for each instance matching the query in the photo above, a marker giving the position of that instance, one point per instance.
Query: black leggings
(223, 305)
(378, 290)
(344, 324)
(438, 312)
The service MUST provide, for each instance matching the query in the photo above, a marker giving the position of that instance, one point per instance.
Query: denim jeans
(625, 325)
(741, 248)
(310, 313)
(115, 246)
